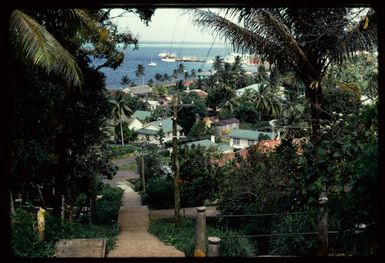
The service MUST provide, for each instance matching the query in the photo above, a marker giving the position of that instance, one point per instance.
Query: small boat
(167, 59)
(152, 64)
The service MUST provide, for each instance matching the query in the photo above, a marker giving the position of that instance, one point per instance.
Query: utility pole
(142, 172)
(176, 160)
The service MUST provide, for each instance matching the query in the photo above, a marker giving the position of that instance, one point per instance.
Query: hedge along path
(134, 240)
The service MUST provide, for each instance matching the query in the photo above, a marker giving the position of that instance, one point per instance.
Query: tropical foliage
(295, 38)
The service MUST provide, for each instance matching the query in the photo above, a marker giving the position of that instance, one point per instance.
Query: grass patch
(183, 238)
(128, 167)
(119, 151)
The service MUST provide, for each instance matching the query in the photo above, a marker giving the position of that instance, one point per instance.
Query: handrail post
(200, 232)
(322, 237)
(213, 250)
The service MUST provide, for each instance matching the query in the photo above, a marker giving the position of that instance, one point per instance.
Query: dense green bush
(294, 244)
(183, 238)
(25, 242)
(106, 209)
(159, 193)
(24, 239)
(199, 174)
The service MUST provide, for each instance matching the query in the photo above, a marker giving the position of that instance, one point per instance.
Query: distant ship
(152, 64)
(167, 57)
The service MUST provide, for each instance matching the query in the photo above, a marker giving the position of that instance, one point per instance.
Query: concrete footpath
(134, 240)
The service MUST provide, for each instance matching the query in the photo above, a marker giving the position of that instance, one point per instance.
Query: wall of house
(135, 124)
(168, 136)
(153, 139)
(243, 143)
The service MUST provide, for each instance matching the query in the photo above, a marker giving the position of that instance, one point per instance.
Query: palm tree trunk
(315, 98)
(121, 132)
(12, 202)
(143, 81)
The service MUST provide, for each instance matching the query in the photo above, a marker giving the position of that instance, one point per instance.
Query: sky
(161, 27)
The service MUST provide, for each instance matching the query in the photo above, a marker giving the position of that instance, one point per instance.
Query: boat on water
(167, 55)
(168, 59)
(152, 64)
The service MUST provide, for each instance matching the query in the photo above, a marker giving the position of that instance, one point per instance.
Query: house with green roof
(211, 143)
(141, 115)
(253, 87)
(240, 139)
(150, 131)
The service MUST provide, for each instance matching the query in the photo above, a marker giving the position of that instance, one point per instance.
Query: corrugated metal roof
(248, 134)
(141, 114)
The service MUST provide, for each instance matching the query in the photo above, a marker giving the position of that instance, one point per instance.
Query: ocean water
(148, 51)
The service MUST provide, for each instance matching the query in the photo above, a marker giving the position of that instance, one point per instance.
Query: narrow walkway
(134, 239)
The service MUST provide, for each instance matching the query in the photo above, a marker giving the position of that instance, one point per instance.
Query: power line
(212, 44)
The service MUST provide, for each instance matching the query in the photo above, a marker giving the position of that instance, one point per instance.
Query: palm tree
(175, 74)
(119, 109)
(158, 77)
(124, 80)
(306, 40)
(35, 44)
(181, 70)
(186, 75)
(193, 73)
(140, 72)
(218, 63)
(166, 77)
(265, 101)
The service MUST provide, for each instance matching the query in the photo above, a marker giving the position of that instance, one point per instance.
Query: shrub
(25, 242)
(182, 238)
(106, 209)
(24, 239)
(159, 193)
(295, 244)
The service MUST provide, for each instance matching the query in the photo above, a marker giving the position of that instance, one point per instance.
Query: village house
(142, 115)
(224, 126)
(253, 87)
(202, 94)
(139, 91)
(240, 139)
(152, 104)
(211, 143)
(149, 132)
(133, 123)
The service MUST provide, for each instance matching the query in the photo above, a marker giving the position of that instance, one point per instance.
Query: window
(236, 141)
(147, 137)
(250, 142)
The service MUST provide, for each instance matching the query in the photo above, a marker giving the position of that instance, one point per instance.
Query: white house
(254, 87)
(149, 132)
(133, 123)
(240, 139)
(153, 104)
(211, 143)
(225, 125)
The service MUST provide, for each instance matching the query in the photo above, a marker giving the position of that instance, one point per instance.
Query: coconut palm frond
(360, 36)
(42, 49)
(243, 39)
